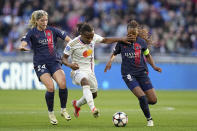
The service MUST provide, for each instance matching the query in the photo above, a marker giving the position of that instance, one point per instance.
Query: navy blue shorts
(47, 68)
(142, 80)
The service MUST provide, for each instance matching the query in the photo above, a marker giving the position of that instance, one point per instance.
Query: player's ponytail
(82, 27)
(36, 15)
(142, 32)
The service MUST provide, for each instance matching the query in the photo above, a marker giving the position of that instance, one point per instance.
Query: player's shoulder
(140, 40)
(96, 35)
(31, 31)
(121, 43)
(73, 42)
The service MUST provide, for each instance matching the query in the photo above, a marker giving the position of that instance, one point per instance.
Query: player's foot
(150, 122)
(77, 109)
(95, 112)
(52, 118)
(65, 114)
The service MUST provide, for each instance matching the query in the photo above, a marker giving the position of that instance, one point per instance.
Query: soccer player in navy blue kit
(47, 64)
(134, 69)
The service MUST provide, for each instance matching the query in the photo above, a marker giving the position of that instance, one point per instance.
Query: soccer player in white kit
(81, 50)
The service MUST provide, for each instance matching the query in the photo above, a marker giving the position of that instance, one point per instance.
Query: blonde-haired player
(42, 39)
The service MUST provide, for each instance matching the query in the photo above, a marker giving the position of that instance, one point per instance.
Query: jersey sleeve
(117, 49)
(68, 49)
(27, 38)
(98, 38)
(60, 33)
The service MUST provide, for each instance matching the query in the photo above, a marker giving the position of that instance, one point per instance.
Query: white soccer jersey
(82, 54)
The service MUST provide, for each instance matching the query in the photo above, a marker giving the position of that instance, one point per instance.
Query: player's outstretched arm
(109, 63)
(152, 63)
(108, 40)
(23, 46)
(73, 66)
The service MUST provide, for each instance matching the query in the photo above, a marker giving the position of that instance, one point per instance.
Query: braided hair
(142, 32)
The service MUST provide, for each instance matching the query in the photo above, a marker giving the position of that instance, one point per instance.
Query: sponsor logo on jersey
(132, 55)
(87, 53)
(43, 41)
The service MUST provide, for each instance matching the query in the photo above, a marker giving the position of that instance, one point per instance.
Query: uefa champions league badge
(68, 48)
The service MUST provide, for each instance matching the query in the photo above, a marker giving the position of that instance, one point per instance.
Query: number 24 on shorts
(41, 67)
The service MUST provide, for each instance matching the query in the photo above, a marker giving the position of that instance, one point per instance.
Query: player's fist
(74, 66)
(157, 69)
(23, 49)
(107, 67)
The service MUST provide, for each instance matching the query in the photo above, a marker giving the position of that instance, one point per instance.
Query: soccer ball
(120, 119)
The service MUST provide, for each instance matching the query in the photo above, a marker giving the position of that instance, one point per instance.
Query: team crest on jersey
(136, 46)
(48, 34)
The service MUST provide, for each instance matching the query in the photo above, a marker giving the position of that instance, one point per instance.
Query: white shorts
(78, 75)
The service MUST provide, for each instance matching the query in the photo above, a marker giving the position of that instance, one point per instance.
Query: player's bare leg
(59, 77)
(139, 93)
(49, 96)
(151, 95)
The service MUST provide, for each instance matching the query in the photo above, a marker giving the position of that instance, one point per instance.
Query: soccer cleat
(52, 118)
(77, 109)
(96, 112)
(65, 114)
(150, 123)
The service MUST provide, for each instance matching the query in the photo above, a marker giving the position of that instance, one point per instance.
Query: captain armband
(146, 52)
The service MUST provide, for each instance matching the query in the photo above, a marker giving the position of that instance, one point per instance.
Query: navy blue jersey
(132, 57)
(43, 44)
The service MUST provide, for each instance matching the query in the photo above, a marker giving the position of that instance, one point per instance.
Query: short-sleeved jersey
(82, 54)
(43, 44)
(132, 57)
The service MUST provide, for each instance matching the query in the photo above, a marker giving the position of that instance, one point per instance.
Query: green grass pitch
(25, 110)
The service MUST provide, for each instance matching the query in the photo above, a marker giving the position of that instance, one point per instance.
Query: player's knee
(94, 95)
(50, 89)
(84, 81)
(153, 101)
(62, 84)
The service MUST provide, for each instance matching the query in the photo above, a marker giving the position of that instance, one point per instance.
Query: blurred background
(172, 23)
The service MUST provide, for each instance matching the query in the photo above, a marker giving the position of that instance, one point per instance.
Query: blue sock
(144, 106)
(63, 94)
(49, 96)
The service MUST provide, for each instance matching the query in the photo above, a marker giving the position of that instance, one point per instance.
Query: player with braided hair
(134, 69)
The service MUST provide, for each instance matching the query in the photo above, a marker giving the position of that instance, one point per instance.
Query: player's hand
(74, 66)
(23, 49)
(125, 40)
(108, 66)
(157, 69)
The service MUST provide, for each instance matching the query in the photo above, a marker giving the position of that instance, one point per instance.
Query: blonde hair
(36, 15)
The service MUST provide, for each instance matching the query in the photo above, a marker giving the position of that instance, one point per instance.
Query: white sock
(88, 96)
(81, 101)
(63, 109)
